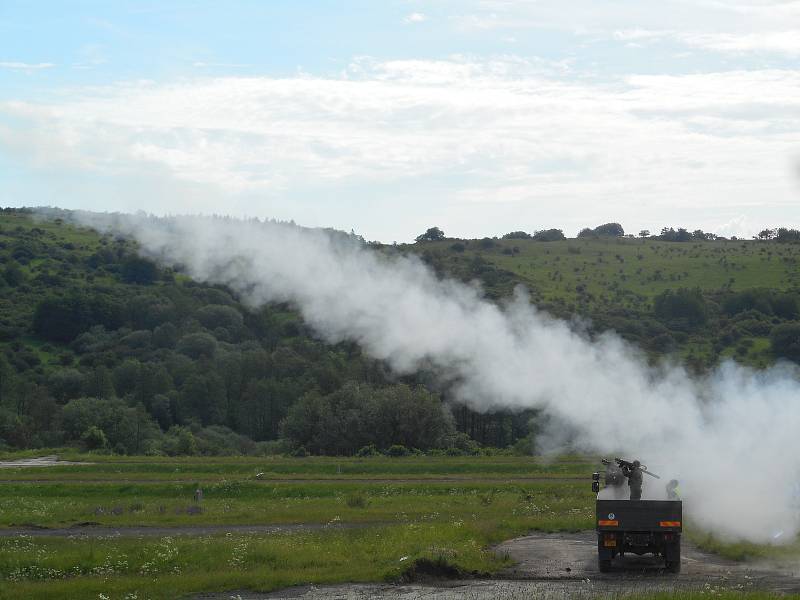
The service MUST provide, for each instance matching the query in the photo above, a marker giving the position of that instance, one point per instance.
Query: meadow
(628, 272)
(82, 531)
(362, 520)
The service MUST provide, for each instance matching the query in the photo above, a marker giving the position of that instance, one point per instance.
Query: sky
(477, 116)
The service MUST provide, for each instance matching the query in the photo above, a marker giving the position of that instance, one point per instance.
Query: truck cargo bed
(639, 515)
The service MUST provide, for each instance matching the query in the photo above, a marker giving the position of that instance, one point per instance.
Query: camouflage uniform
(634, 475)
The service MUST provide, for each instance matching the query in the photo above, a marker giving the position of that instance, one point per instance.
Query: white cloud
(23, 66)
(415, 17)
(218, 65)
(729, 26)
(778, 42)
(481, 142)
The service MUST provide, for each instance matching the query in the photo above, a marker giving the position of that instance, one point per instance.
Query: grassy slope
(629, 272)
(614, 280)
(584, 277)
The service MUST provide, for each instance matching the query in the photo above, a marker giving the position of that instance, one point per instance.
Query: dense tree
(13, 274)
(681, 306)
(604, 230)
(66, 384)
(609, 230)
(517, 235)
(125, 428)
(198, 345)
(668, 234)
(139, 270)
(549, 235)
(787, 235)
(61, 319)
(434, 234)
(361, 415)
(785, 341)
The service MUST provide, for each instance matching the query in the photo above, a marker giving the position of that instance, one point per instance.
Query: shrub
(397, 450)
(549, 235)
(94, 438)
(198, 345)
(300, 452)
(366, 451)
(785, 340)
(681, 306)
(357, 501)
(139, 270)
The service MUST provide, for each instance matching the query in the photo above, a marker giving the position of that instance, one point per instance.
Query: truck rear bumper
(613, 543)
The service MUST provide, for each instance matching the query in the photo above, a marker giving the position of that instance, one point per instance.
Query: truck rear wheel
(674, 564)
(604, 565)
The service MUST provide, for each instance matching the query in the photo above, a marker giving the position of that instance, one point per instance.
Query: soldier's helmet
(636, 463)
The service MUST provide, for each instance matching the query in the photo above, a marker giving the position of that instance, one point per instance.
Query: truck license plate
(639, 539)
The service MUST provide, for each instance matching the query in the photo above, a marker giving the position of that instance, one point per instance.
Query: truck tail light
(670, 523)
(608, 523)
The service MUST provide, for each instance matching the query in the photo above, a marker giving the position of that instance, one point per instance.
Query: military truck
(636, 526)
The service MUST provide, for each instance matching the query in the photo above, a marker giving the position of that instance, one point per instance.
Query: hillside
(718, 298)
(105, 350)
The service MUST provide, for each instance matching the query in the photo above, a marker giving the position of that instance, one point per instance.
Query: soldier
(673, 493)
(634, 475)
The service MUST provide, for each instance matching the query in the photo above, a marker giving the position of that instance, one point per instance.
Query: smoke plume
(731, 438)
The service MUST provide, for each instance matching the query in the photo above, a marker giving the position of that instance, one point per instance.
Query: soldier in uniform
(673, 492)
(634, 475)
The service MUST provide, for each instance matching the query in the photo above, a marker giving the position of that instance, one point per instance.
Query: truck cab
(638, 527)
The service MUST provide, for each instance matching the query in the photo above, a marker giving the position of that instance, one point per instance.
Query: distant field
(629, 272)
(259, 491)
(216, 468)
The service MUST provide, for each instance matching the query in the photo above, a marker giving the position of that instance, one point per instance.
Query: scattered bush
(397, 450)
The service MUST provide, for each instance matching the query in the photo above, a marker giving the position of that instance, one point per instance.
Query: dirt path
(560, 566)
(332, 480)
(90, 530)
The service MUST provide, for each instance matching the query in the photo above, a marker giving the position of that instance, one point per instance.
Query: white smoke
(732, 439)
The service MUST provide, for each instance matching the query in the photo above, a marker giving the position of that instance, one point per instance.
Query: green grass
(743, 550)
(171, 567)
(630, 272)
(457, 522)
(216, 468)
(539, 505)
(132, 491)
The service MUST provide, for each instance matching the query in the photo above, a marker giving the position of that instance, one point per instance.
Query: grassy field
(630, 272)
(394, 521)
(367, 520)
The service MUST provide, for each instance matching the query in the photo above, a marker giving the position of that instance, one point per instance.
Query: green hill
(103, 349)
(740, 289)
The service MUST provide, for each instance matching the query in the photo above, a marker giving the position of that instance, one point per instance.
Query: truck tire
(674, 565)
(604, 565)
